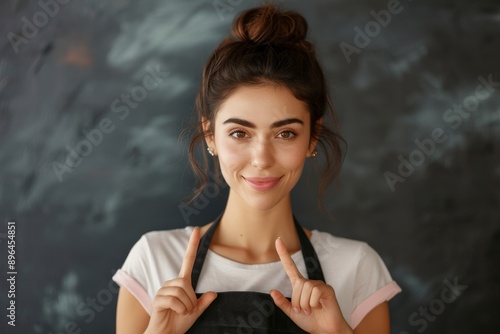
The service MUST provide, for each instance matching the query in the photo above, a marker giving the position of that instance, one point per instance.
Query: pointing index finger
(190, 255)
(290, 268)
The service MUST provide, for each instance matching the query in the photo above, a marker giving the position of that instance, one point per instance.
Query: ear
(313, 141)
(209, 136)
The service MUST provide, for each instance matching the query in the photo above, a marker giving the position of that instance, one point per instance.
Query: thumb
(204, 302)
(280, 301)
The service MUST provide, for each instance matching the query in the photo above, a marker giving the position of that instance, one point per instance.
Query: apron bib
(246, 312)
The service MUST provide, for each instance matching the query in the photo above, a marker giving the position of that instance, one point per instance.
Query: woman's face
(262, 138)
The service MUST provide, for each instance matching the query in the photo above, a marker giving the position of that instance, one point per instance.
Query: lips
(262, 183)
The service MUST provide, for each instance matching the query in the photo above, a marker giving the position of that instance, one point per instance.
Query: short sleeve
(155, 258)
(133, 274)
(373, 284)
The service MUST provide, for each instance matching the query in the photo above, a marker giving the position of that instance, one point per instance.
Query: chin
(264, 203)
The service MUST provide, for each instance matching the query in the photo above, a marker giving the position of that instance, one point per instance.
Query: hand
(314, 307)
(175, 306)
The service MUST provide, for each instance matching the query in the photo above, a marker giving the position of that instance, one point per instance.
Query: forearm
(346, 329)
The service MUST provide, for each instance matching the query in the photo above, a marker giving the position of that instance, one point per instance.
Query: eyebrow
(277, 124)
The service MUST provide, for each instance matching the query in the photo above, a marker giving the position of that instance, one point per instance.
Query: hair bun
(269, 25)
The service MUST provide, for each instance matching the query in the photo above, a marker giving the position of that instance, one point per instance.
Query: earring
(210, 151)
(314, 153)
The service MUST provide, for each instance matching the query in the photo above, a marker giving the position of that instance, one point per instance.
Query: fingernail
(307, 312)
(295, 309)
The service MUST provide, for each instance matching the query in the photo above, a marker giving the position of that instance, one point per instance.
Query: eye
(238, 134)
(287, 135)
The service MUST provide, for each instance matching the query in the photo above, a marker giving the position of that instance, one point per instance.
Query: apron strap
(313, 266)
(314, 271)
(201, 253)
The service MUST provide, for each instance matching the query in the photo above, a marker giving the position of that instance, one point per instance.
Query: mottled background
(60, 78)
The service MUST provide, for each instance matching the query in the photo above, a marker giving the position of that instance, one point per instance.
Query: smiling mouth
(262, 183)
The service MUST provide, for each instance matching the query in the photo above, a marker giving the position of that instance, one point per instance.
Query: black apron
(245, 312)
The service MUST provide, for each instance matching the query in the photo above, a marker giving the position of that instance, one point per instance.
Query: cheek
(293, 158)
(292, 162)
(230, 158)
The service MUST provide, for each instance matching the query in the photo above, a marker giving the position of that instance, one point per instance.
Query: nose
(262, 155)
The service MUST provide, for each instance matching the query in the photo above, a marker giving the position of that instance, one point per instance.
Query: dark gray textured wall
(65, 71)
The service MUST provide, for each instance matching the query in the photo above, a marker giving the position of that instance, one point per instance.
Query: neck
(255, 231)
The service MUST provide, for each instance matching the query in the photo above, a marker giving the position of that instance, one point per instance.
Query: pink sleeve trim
(124, 280)
(378, 297)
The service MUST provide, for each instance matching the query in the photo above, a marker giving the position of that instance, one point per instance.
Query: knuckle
(162, 300)
(169, 292)
(297, 283)
(310, 284)
(316, 289)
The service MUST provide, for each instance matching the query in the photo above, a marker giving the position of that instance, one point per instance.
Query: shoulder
(349, 255)
(154, 242)
(156, 251)
(161, 236)
(154, 258)
(344, 246)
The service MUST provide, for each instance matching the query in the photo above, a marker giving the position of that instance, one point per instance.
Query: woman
(262, 110)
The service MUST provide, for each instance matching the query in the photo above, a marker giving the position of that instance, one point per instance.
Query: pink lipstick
(262, 183)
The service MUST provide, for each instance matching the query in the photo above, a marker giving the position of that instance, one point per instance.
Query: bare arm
(131, 318)
(377, 321)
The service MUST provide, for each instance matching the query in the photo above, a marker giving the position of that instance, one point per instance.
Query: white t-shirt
(356, 272)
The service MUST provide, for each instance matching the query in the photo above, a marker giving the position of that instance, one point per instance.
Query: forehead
(262, 105)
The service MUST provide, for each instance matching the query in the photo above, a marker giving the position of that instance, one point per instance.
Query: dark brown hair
(267, 45)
